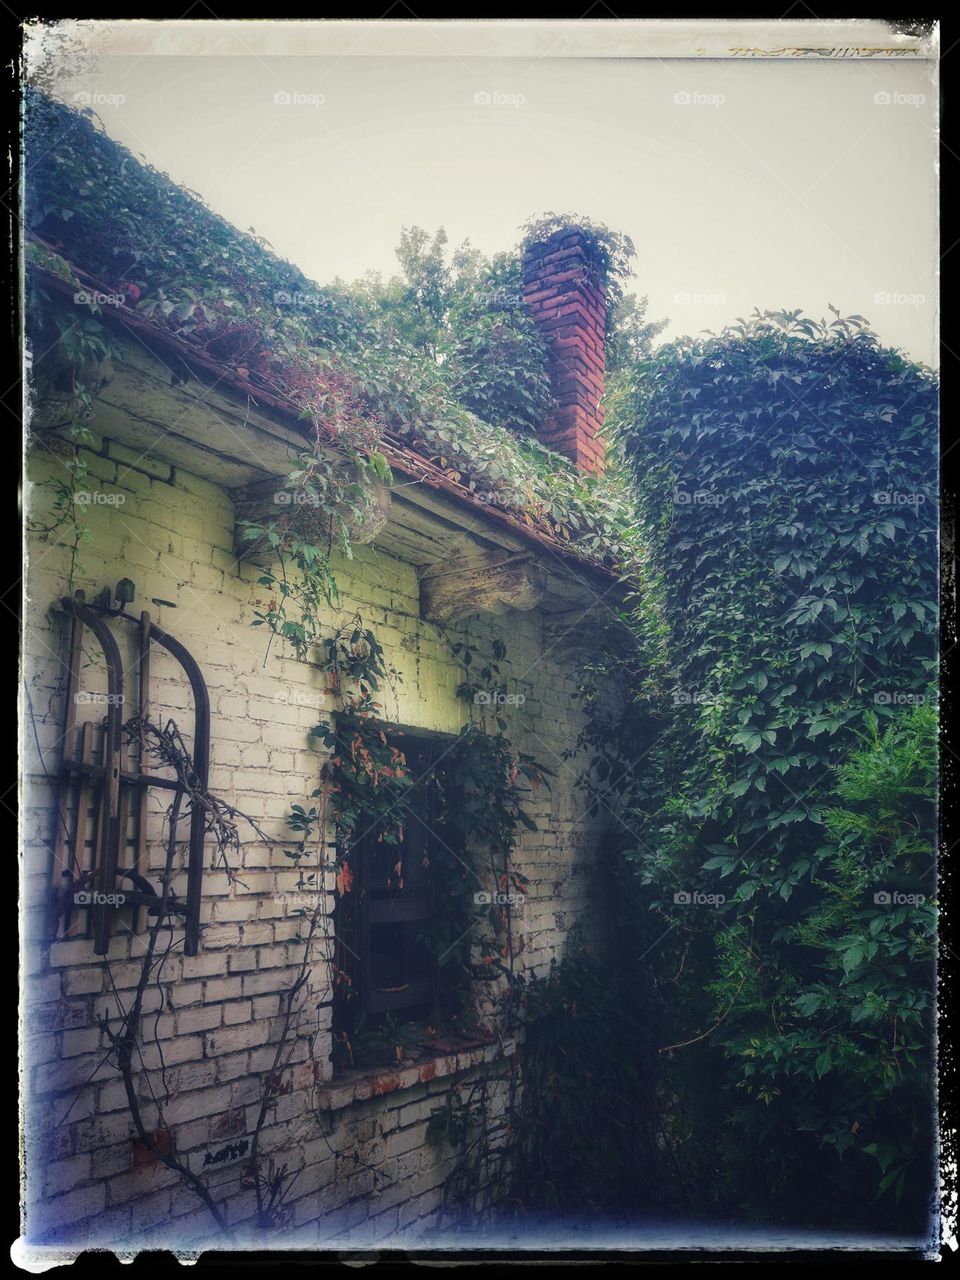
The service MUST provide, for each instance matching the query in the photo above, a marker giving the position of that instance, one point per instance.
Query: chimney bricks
(570, 309)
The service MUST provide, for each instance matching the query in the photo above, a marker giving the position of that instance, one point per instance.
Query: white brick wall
(219, 1011)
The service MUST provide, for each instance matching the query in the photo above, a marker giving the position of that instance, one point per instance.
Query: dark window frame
(377, 904)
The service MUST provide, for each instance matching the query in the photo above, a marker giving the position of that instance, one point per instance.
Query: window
(386, 911)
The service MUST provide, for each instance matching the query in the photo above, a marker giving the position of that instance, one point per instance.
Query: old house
(264, 983)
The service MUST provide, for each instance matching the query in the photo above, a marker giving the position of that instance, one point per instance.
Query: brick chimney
(571, 311)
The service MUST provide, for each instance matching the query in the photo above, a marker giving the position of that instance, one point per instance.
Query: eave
(215, 421)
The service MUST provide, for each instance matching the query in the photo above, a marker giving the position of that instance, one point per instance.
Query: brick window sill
(363, 1084)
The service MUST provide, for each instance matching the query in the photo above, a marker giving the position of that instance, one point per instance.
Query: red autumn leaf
(344, 878)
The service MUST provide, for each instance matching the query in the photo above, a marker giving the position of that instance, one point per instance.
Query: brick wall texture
(364, 1171)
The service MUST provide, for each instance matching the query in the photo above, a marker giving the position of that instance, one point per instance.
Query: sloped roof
(189, 280)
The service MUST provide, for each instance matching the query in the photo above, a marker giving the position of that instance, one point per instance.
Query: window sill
(363, 1084)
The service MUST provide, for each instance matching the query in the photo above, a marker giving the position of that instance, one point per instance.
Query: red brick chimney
(571, 310)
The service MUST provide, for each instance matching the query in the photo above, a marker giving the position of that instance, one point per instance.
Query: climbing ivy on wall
(787, 478)
(476, 783)
(330, 486)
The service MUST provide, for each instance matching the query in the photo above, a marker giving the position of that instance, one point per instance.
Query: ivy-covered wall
(218, 1016)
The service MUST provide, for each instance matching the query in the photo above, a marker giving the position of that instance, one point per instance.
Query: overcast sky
(785, 183)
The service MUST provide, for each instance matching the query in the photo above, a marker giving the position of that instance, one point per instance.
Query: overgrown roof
(94, 208)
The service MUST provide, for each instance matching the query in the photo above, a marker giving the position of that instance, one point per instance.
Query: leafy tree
(630, 335)
(467, 318)
(415, 305)
(495, 352)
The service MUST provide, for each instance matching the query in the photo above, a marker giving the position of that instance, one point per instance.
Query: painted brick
(76, 1204)
(224, 1002)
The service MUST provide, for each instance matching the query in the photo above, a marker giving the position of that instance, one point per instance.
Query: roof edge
(407, 461)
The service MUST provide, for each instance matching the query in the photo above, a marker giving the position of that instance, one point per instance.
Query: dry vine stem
(168, 748)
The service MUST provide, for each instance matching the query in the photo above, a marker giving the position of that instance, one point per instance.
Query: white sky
(782, 183)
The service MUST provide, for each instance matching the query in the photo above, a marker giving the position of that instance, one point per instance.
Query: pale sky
(787, 182)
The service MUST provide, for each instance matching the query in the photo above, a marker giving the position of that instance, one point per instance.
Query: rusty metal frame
(111, 776)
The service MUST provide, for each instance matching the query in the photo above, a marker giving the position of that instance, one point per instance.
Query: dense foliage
(496, 353)
(787, 477)
(441, 358)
